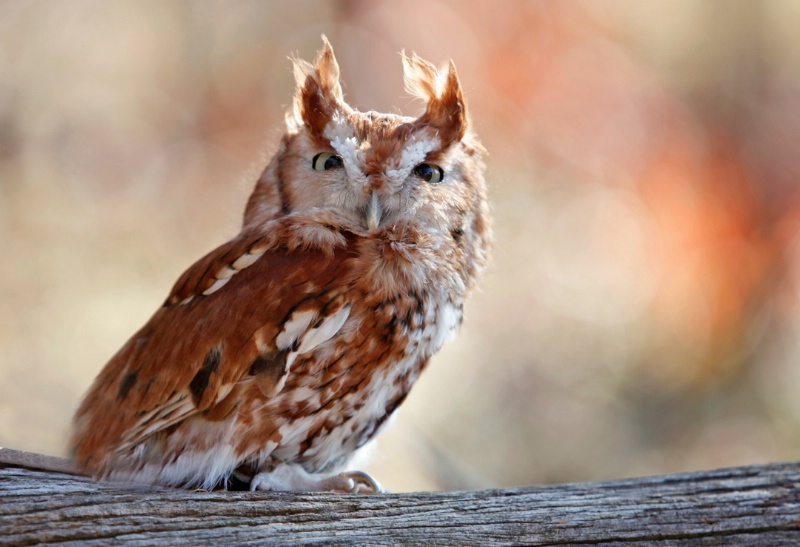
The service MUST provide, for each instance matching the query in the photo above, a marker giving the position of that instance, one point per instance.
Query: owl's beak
(374, 211)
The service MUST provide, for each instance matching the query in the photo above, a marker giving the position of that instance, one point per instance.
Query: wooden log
(43, 502)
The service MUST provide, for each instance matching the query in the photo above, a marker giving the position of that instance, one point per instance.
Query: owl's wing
(246, 308)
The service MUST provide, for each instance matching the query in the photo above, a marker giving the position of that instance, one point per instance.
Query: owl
(281, 353)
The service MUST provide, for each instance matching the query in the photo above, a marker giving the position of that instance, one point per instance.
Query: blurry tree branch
(755, 505)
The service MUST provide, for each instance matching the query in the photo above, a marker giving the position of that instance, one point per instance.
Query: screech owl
(280, 353)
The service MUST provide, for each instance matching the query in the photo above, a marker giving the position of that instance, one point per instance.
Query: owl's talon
(362, 483)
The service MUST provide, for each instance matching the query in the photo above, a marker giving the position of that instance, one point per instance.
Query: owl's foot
(293, 478)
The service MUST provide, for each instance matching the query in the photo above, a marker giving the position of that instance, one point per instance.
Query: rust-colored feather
(194, 346)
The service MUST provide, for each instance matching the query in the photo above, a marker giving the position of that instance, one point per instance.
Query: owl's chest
(345, 391)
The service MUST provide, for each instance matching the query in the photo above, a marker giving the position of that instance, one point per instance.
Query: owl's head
(380, 171)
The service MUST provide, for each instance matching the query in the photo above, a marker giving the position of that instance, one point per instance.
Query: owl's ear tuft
(319, 93)
(441, 90)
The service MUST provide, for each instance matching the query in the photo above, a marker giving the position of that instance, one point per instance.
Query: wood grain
(756, 505)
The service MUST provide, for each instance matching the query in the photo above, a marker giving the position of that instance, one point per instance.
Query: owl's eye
(325, 160)
(429, 172)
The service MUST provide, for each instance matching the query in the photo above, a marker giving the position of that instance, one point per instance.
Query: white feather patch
(218, 284)
(294, 328)
(352, 158)
(224, 391)
(325, 331)
(338, 128)
(247, 259)
(203, 467)
(416, 151)
(226, 272)
(445, 326)
(312, 338)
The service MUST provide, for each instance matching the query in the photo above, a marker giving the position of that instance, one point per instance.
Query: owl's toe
(360, 483)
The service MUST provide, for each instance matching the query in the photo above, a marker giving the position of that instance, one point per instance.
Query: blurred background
(642, 309)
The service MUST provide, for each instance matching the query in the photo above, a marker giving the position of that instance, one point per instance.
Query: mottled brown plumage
(279, 354)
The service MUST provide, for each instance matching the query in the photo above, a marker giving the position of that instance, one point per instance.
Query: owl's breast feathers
(302, 324)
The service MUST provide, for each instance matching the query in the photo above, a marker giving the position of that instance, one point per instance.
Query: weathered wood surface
(757, 505)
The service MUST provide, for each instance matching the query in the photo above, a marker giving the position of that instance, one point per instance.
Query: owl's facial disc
(383, 160)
